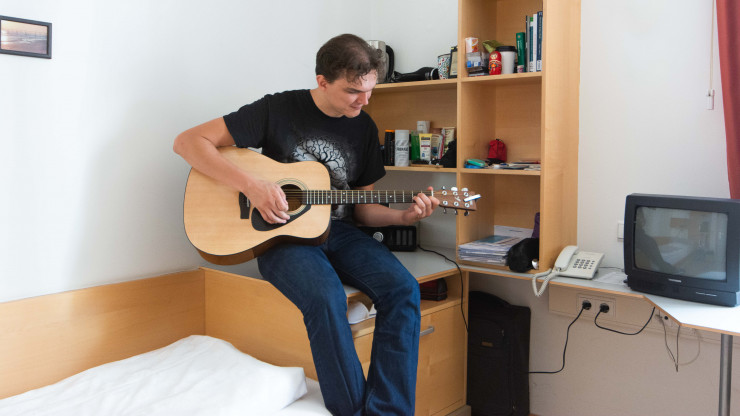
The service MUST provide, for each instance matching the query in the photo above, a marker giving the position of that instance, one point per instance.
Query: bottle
(390, 148)
(494, 63)
(402, 148)
(414, 146)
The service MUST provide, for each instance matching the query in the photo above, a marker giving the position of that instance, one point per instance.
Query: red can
(494, 63)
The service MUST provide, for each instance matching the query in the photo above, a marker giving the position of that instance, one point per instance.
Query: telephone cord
(549, 274)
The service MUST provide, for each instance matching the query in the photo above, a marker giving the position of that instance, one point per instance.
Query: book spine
(527, 46)
(520, 49)
(533, 43)
(539, 40)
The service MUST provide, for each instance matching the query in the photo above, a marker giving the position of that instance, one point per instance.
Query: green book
(520, 55)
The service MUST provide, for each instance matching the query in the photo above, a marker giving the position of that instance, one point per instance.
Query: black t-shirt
(289, 127)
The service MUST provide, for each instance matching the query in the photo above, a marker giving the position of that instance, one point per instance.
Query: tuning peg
(464, 189)
(444, 210)
(453, 189)
(467, 213)
(443, 188)
(455, 212)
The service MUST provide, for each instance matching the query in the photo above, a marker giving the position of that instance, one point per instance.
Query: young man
(327, 124)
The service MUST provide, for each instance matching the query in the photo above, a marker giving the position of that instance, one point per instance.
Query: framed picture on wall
(25, 37)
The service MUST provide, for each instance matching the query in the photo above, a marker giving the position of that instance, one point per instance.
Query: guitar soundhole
(293, 195)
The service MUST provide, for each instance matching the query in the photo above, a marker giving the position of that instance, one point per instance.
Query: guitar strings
(355, 191)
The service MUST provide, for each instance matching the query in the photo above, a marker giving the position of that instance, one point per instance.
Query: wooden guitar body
(213, 214)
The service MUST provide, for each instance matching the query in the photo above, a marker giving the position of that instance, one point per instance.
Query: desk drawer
(441, 373)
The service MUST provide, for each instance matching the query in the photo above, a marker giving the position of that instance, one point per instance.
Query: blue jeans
(311, 277)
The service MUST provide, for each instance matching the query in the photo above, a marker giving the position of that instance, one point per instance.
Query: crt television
(683, 247)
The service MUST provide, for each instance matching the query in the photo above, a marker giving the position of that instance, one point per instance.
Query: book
(493, 249)
(527, 47)
(520, 52)
(533, 43)
(539, 41)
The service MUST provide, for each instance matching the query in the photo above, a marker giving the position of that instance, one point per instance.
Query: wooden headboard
(48, 338)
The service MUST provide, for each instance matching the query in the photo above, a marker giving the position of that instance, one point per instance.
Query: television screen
(681, 242)
(683, 247)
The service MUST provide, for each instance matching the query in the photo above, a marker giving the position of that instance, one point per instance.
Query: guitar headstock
(457, 199)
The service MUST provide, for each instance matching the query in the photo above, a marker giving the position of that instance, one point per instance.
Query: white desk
(720, 319)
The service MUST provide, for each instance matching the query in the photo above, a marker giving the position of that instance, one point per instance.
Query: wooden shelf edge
(442, 84)
(436, 84)
(430, 169)
(510, 172)
(508, 79)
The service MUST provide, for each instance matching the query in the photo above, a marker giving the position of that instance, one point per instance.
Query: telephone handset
(570, 263)
(580, 264)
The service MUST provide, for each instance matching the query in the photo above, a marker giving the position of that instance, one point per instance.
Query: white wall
(645, 72)
(92, 190)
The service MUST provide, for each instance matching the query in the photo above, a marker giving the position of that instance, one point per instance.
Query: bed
(198, 340)
(47, 339)
(197, 376)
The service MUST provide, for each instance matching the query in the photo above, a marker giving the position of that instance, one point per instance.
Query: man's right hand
(199, 147)
(269, 199)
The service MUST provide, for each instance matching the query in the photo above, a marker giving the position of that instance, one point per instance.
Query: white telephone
(570, 263)
(580, 264)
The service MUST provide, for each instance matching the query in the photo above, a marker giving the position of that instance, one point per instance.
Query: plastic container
(402, 148)
(508, 59)
(415, 146)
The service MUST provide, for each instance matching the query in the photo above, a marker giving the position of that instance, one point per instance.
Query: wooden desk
(720, 319)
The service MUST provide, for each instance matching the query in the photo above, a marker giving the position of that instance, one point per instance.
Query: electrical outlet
(596, 302)
(668, 322)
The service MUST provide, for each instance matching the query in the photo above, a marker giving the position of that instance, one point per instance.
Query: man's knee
(325, 299)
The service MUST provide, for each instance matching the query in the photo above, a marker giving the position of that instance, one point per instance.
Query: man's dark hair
(349, 56)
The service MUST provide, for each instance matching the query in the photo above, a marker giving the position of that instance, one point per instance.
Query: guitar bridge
(243, 206)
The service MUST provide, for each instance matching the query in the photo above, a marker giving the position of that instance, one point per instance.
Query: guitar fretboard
(332, 197)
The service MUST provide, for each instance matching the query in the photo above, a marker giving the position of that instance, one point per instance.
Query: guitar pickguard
(295, 209)
(259, 223)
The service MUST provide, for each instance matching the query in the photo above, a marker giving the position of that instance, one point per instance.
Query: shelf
(431, 85)
(444, 84)
(419, 169)
(508, 79)
(534, 113)
(511, 172)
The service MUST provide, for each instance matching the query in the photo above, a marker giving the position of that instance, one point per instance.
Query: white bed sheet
(197, 375)
(311, 404)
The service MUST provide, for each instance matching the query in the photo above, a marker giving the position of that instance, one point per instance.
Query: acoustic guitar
(225, 229)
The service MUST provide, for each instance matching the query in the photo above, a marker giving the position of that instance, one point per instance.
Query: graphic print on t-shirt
(329, 153)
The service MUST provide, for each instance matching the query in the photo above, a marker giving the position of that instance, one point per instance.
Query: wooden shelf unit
(535, 114)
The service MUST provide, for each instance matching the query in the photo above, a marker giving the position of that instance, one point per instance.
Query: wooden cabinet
(255, 317)
(440, 386)
(535, 114)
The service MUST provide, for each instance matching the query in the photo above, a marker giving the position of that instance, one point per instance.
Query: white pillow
(197, 375)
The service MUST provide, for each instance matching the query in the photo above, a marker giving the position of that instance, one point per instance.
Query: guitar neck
(337, 197)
